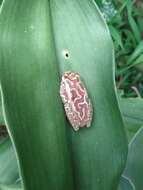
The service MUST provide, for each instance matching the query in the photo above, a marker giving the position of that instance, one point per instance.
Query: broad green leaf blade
(132, 109)
(1, 2)
(134, 166)
(99, 3)
(29, 80)
(126, 184)
(11, 187)
(8, 164)
(99, 152)
(1, 114)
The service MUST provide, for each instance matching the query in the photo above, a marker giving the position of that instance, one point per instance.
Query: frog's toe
(88, 125)
(76, 128)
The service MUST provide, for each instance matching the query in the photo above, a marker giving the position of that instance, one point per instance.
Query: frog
(76, 101)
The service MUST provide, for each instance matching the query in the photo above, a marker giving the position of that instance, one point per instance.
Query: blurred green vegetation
(125, 21)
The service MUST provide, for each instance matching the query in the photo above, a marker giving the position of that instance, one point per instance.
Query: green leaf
(137, 52)
(132, 109)
(99, 2)
(132, 22)
(1, 2)
(8, 164)
(50, 153)
(134, 166)
(139, 62)
(1, 113)
(80, 29)
(11, 187)
(30, 87)
(126, 184)
(116, 36)
(140, 20)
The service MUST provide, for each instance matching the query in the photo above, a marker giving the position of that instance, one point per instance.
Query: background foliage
(125, 20)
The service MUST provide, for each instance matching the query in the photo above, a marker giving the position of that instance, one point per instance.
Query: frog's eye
(67, 74)
(77, 76)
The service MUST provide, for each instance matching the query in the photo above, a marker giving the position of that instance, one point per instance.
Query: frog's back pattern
(76, 102)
